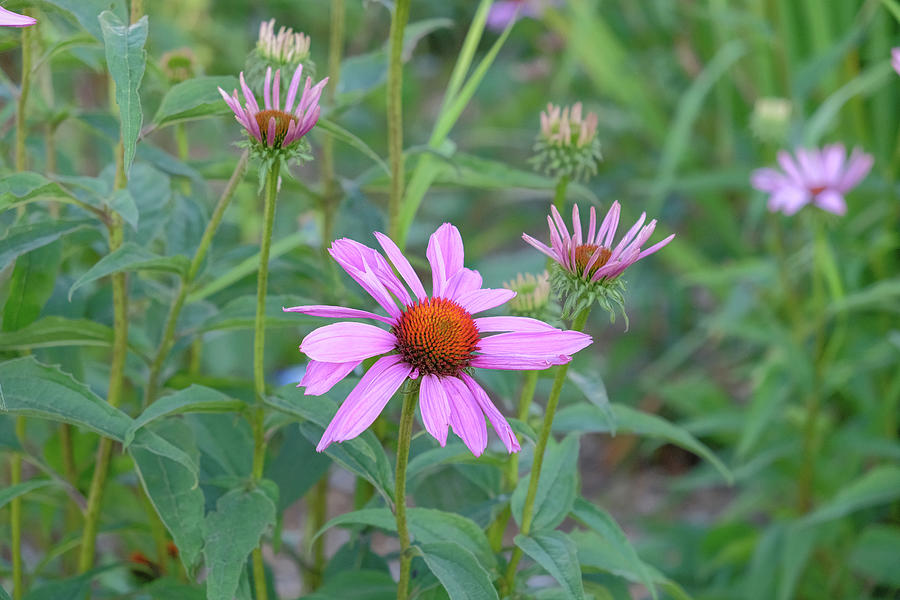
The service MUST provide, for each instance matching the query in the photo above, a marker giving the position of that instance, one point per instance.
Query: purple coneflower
(895, 59)
(11, 19)
(818, 176)
(273, 127)
(434, 338)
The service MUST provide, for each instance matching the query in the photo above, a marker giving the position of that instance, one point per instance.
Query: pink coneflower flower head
(434, 340)
(275, 128)
(567, 144)
(588, 269)
(821, 177)
(504, 12)
(895, 59)
(11, 19)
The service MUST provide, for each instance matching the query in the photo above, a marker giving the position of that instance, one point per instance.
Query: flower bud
(770, 119)
(567, 145)
(283, 50)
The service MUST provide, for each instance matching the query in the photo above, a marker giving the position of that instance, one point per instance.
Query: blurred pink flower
(595, 258)
(895, 59)
(273, 127)
(435, 338)
(502, 13)
(11, 19)
(818, 176)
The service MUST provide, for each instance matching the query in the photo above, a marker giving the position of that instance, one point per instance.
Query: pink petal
(499, 423)
(767, 180)
(592, 227)
(292, 89)
(322, 376)
(354, 258)
(534, 343)
(519, 363)
(267, 89)
(11, 19)
(477, 301)
(492, 324)
(576, 225)
(249, 98)
(655, 247)
(366, 401)
(612, 225)
(402, 265)
(790, 167)
(465, 281)
(445, 254)
(466, 416)
(435, 408)
(789, 200)
(858, 166)
(345, 342)
(540, 246)
(832, 201)
(321, 310)
(276, 90)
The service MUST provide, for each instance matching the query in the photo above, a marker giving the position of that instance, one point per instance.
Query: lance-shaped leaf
(32, 284)
(557, 554)
(194, 99)
(458, 571)
(131, 257)
(24, 238)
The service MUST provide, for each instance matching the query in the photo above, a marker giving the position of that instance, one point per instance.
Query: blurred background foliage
(731, 329)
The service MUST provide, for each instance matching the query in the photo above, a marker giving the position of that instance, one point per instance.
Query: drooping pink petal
(435, 408)
(466, 416)
(249, 98)
(493, 324)
(832, 201)
(402, 265)
(352, 256)
(465, 281)
(519, 363)
(366, 401)
(498, 421)
(858, 166)
(540, 246)
(790, 167)
(767, 180)
(322, 376)
(267, 89)
(445, 255)
(11, 19)
(346, 342)
(340, 312)
(655, 247)
(477, 301)
(534, 343)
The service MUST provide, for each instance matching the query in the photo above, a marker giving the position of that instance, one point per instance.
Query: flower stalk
(22, 102)
(395, 114)
(407, 415)
(168, 339)
(539, 451)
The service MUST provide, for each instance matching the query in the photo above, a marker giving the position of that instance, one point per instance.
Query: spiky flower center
(436, 336)
(583, 254)
(282, 122)
(816, 190)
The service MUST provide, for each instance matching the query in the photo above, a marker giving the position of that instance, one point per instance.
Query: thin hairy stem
(407, 415)
(395, 114)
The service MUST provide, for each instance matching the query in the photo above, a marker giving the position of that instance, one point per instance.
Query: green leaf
(458, 571)
(31, 285)
(240, 313)
(874, 555)
(585, 418)
(57, 331)
(195, 399)
(14, 491)
(342, 135)
(362, 455)
(77, 40)
(72, 588)
(232, 532)
(131, 257)
(86, 11)
(879, 486)
(24, 238)
(602, 523)
(556, 489)
(126, 58)
(20, 188)
(360, 585)
(194, 99)
(556, 553)
(3, 594)
(174, 493)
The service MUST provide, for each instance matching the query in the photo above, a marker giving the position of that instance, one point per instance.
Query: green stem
(116, 379)
(331, 196)
(15, 515)
(559, 197)
(318, 515)
(407, 415)
(137, 10)
(395, 114)
(168, 339)
(22, 102)
(184, 152)
(539, 451)
(259, 342)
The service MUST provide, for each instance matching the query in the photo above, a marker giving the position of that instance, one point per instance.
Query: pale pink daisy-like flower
(274, 127)
(11, 19)
(821, 177)
(895, 59)
(594, 258)
(435, 339)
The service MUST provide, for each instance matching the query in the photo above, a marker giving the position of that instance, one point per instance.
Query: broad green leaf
(232, 532)
(3, 594)
(556, 489)
(458, 571)
(426, 525)
(77, 40)
(57, 331)
(453, 452)
(173, 490)
(362, 455)
(874, 555)
(194, 99)
(126, 59)
(131, 257)
(21, 188)
(287, 449)
(602, 523)
(24, 238)
(31, 285)
(360, 585)
(556, 553)
(86, 11)
(585, 418)
(72, 588)
(195, 399)
(14, 491)
(879, 486)
(331, 128)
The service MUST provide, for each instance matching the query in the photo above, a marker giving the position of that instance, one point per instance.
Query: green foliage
(556, 553)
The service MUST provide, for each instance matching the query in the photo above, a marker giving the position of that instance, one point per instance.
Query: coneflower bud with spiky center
(179, 65)
(567, 145)
(284, 50)
(532, 297)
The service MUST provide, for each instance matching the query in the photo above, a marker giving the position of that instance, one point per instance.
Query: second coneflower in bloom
(821, 177)
(277, 129)
(434, 339)
(587, 269)
(567, 145)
